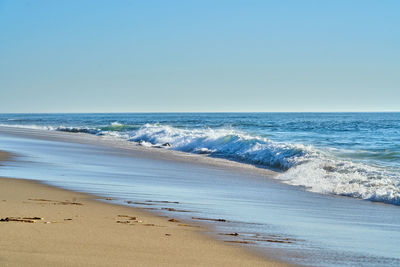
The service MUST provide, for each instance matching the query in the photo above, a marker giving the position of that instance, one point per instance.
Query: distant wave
(26, 126)
(316, 170)
(79, 130)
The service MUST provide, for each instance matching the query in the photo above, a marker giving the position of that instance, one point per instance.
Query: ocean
(349, 154)
(332, 202)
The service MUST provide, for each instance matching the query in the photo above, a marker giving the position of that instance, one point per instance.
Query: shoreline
(52, 226)
(277, 220)
(76, 229)
(136, 150)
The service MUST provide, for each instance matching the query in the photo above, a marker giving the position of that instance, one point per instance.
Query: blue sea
(349, 154)
(333, 200)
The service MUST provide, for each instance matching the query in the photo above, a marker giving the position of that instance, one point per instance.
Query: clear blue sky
(144, 56)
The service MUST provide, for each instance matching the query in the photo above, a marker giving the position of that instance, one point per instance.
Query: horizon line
(204, 112)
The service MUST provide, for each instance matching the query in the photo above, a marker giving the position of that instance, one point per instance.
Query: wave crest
(226, 143)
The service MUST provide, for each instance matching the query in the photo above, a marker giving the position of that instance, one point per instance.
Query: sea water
(350, 154)
(356, 155)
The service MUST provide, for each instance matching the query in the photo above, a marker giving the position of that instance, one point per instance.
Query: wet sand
(4, 156)
(47, 226)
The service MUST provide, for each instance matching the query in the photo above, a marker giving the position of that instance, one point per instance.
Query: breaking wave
(225, 143)
(346, 178)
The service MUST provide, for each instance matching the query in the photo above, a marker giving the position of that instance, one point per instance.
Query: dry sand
(78, 230)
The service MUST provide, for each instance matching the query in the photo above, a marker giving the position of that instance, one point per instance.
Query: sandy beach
(148, 187)
(47, 226)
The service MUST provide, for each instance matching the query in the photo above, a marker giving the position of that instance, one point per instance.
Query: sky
(199, 56)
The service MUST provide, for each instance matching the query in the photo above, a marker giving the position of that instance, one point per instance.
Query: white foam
(35, 127)
(346, 178)
(226, 143)
(115, 123)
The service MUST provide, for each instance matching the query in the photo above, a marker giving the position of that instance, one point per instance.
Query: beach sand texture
(47, 226)
(4, 156)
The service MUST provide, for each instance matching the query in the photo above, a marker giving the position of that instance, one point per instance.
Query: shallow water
(323, 230)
